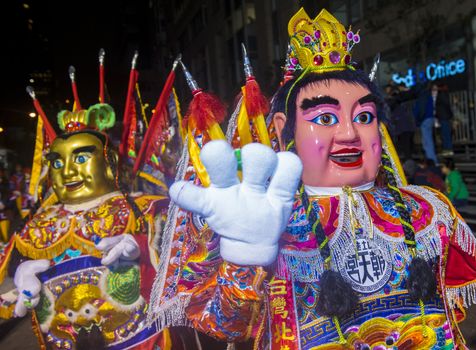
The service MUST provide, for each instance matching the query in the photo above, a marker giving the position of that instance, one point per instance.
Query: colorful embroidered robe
(78, 291)
(233, 303)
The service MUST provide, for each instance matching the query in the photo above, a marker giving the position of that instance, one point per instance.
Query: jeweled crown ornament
(98, 117)
(319, 44)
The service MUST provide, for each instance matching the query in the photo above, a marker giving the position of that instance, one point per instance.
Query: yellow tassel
(215, 132)
(262, 130)
(6, 260)
(339, 330)
(393, 153)
(243, 123)
(194, 152)
(179, 115)
(37, 160)
(153, 180)
(422, 315)
(142, 107)
(49, 201)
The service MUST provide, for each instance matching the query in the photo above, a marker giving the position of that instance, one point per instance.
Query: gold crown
(319, 45)
(99, 117)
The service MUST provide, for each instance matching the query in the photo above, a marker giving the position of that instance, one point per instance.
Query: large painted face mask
(78, 169)
(337, 135)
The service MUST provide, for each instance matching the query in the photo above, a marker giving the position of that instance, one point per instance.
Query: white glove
(249, 216)
(118, 247)
(28, 285)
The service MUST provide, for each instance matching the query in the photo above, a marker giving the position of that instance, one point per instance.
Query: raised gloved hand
(28, 285)
(249, 216)
(122, 247)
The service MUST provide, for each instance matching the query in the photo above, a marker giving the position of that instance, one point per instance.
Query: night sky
(37, 36)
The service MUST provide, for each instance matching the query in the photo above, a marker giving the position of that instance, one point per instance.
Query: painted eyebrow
(52, 156)
(368, 99)
(87, 149)
(316, 101)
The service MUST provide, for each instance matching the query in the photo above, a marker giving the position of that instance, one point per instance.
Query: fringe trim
(156, 309)
(67, 241)
(428, 243)
(85, 246)
(303, 266)
(465, 294)
(172, 313)
(50, 252)
(393, 159)
(465, 237)
(443, 213)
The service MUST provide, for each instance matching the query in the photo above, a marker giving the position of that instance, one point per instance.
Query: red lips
(347, 157)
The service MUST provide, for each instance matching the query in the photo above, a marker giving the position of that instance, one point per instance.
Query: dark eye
(364, 118)
(87, 311)
(82, 158)
(70, 314)
(326, 119)
(57, 164)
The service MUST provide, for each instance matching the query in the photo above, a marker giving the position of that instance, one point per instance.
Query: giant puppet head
(326, 112)
(329, 111)
(80, 160)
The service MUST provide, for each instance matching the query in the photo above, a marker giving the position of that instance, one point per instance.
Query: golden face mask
(78, 168)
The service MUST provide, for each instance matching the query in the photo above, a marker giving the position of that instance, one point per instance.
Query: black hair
(450, 163)
(292, 89)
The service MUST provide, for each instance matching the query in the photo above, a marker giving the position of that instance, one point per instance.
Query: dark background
(41, 39)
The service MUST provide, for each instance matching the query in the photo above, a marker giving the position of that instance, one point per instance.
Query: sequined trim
(306, 266)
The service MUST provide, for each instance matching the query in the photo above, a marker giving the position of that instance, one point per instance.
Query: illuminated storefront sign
(432, 72)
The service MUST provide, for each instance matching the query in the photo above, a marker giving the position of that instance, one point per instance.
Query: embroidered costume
(331, 250)
(89, 253)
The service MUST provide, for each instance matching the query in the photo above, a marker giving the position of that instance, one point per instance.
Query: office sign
(432, 71)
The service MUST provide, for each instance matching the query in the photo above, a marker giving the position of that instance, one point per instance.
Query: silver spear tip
(246, 62)
(176, 61)
(31, 91)
(102, 53)
(134, 59)
(373, 71)
(192, 84)
(72, 72)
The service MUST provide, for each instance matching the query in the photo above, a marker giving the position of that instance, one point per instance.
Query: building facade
(419, 40)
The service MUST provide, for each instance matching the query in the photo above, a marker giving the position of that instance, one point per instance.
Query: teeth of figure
(346, 155)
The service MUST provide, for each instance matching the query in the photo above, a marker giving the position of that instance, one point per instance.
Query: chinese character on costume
(316, 242)
(87, 256)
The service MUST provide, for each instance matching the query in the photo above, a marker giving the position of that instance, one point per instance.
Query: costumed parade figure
(322, 245)
(87, 255)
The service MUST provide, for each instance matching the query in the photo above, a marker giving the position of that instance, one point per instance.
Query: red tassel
(256, 103)
(204, 110)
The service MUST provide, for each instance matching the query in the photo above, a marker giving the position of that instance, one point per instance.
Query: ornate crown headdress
(98, 117)
(319, 45)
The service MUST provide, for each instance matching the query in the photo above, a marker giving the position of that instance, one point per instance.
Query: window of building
(346, 11)
(339, 9)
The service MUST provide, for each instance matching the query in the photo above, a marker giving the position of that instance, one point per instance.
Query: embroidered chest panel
(48, 226)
